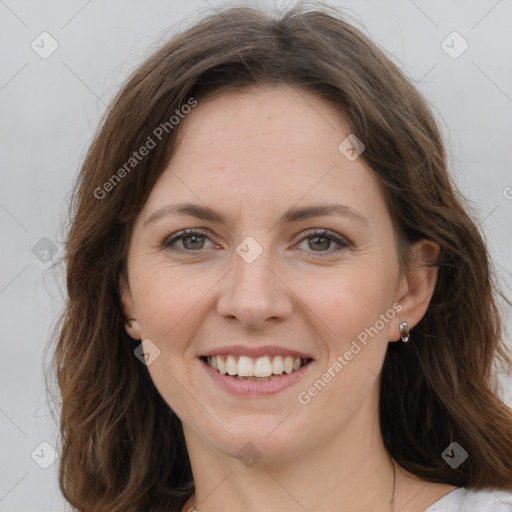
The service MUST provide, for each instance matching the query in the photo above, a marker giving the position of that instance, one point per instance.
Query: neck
(349, 471)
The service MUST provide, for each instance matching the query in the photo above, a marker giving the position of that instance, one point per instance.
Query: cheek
(167, 300)
(352, 313)
(348, 299)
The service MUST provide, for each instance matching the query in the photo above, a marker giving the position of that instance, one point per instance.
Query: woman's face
(268, 283)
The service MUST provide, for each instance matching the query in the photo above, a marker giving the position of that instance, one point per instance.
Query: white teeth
(277, 365)
(245, 367)
(262, 367)
(231, 365)
(266, 367)
(221, 364)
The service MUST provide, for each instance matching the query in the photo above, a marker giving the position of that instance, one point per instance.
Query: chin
(264, 440)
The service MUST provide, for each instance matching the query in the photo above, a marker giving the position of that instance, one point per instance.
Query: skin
(252, 157)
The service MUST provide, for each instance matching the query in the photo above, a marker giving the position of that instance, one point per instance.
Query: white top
(468, 500)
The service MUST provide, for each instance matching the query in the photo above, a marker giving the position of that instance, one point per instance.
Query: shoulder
(463, 499)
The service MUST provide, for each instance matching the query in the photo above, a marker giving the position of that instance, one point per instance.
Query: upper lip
(267, 350)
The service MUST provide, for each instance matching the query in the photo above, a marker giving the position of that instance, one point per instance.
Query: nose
(254, 293)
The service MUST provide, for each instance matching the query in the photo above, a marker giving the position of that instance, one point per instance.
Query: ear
(416, 286)
(131, 324)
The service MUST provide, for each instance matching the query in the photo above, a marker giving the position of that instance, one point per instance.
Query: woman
(276, 299)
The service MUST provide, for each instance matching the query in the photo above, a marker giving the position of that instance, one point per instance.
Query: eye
(322, 240)
(191, 239)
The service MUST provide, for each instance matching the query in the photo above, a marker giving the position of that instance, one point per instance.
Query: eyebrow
(291, 215)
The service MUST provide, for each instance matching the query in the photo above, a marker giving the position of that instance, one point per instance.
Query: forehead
(283, 118)
(265, 146)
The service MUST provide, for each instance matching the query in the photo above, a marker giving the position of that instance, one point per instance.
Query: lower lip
(239, 387)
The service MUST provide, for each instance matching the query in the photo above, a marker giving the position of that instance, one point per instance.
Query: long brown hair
(122, 447)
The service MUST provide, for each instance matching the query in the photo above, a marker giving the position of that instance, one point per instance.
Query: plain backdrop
(54, 88)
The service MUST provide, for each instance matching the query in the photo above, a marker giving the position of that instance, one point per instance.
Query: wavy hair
(115, 428)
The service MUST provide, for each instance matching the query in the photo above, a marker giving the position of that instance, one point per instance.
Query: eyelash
(322, 233)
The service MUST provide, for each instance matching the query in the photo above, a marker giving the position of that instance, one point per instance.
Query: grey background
(51, 107)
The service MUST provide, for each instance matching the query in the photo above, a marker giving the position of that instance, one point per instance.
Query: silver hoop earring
(404, 332)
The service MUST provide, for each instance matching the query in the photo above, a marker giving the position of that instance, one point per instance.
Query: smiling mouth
(255, 368)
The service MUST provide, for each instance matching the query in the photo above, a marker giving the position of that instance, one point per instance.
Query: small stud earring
(404, 332)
